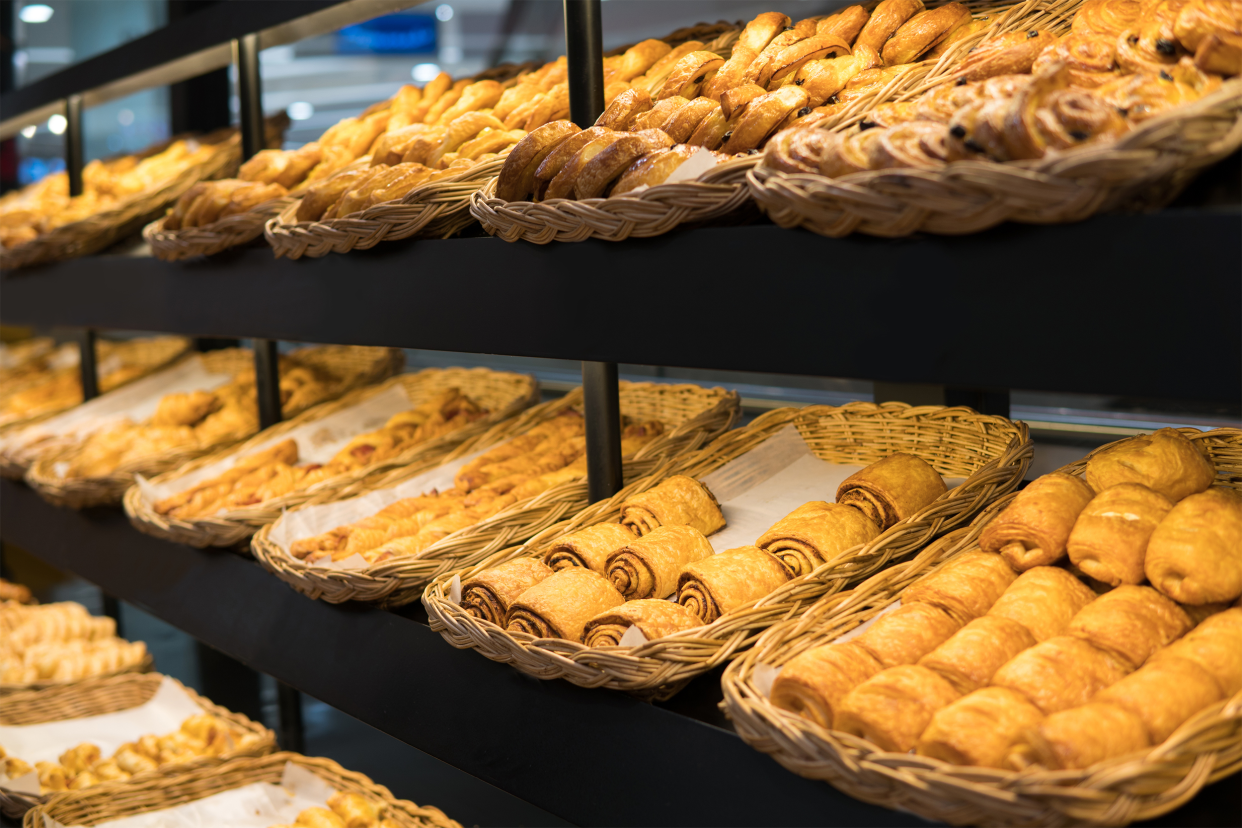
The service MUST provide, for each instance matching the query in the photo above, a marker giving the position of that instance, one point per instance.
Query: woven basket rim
(146, 665)
(208, 239)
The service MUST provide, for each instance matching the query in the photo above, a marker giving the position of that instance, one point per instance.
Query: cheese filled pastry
(589, 547)
(979, 729)
(893, 708)
(720, 583)
(1035, 527)
(892, 489)
(813, 684)
(1163, 694)
(1044, 600)
(1109, 541)
(1165, 461)
(907, 634)
(1060, 673)
(560, 605)
(1079, 738)
(965, 587)
(1195, 554)
(970, 658)
(1216, 646)
(679, 500)
(648, 567)
(489, 594)
(1130, 622)
(654, 617)
(816, 533)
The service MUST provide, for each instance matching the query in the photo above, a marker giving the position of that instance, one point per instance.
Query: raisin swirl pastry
(1090, 59)
(922, 145)
(848, 153)
(1200, 19)
(798, 150)
(1108, 18)
(1009, 54)
(1152, 43)
(1146, 94)
(941, 103)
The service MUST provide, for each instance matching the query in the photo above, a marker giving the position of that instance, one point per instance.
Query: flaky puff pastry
(966, 587)
(1130, 622)
(1109, 540)
(816, 533)
(721, 583)
(597, 174)
(824, 78)
(677, 500)
(648, 567)
(1044, 600)
(813, 684)
(589, 547)
(560, 605)
(893, 708)
(1195, 554)
(761, 117)
(1034, 528)
(923, 31)
(624, 108)
(892, 489)
(1220, 54)
(1008, 54)
(1061, 673)
(355, 809)
(1079, 738)
(1216, 646)
(979, 729)
(1090, 59)
(907, 634)
(654, 617)
(885, 20)
(758, 33)
(1164, 694)
(489, 594)
(1107, 17)
(318, 818)
(973, 654)
(1164, 461)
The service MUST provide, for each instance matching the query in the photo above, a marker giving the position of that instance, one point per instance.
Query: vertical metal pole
(249, 93)
(74, 160)
(112, 609)
(87, 366)
(290, 705)
(603, 428)
(267, 381)
(584, 51)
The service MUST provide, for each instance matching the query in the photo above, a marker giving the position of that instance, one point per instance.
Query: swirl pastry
(816, 533)
(923, 31)
(965, 587)
(1008, 54)
(970, 658)
(589, 547)
(1216, 646)
(941, 103)
(561, 604)
(758, 33)
(1044, 600)
(1079, 738)
(885, 20)
(892, 489)
(893, 708)
(907, 634)
(1164, 461)
(980, 728)
(797, 150)
(920, 145)
(1164, 694)
(648, 567)
(1107, 18)
(1147, 94)
(1195, 554)
(654, 617)
(679, 500)
(1035, 527)
(813, 684)
(822, 79)
(1109, 540)
(1061, 673)
(1130, 622)
(1198, 20)
(721, 583)
(1090, 59)
(1152, 43)
(489, 594)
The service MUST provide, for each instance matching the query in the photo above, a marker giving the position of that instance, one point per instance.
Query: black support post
(584, 51)
(290, 704)
(249, 93)
(74, 160)
(267, 381)
(87, 364)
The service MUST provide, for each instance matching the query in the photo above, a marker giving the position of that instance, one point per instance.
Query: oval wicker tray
(354, 365)
(174, 245)
(694, 415)
(1131, 788)
(145, 666)
(95, 697)
(503, 394)
(992, 452)
(114, 801)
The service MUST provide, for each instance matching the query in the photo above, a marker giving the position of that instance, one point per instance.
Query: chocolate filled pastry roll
(1109, 540)
(1079, 738)
(1131, 622)
(813, 684)
(1164, 694)
(589, 547)
(907, 634)
(1195, 554)
(1036, 525)
(648, 567)
(893, 708)
(1061, 673)
(965, 587)
(560, 605)
(1216, 646)
(720, 583)
(1044, 600)
(1164, 461)
(970, 658)
(979, 729)
(808, 538)
(679, 500)
(892, 489)
(654, 617)
(489, 594)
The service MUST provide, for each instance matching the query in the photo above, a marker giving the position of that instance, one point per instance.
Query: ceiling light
(35, 13)
(29, 132)
(57, 123)
(425, 72)
(300, 110)
(443, 13)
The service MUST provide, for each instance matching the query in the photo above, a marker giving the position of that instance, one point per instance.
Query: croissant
(1165, 461)
(965, 587)
(813, 684)
(1195, 554)
(893, 708)
(1131, 623)
(980, 728)
(892, 489)
(907, 634)
(1034, 528)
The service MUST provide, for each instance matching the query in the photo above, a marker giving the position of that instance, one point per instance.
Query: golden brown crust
(970, 658)
(1220, 54)
(813, 684)
(566, 150)
(822, 79)
(1080, 738)
(1107, 17)
(1008, 54)
(483, 94)
(798, 150)
(639, 58)
(654, 78)
(1109, 539)
(689, 75)
(655, 618)
(923, 31)
(1035, 527)
(552, 105)
(627, 106)
(1165, 461)
(653, 168)
(892, 489)
(816, 533)
(676, 500)
(735, 100)
(594, 177)
(969, 28)
(682, 124)
(322, 196)
(589, 547)
(913, 144)
(561, 604)
(1044, 600)
(432, 92)
(907, 634)
(648, 567)
(761, 118)
(965, 587)
(489, 594)
(845, 24)
(758, 33)
(792, 58)
(979, 729)
(711, 131)
(1060, 673)
(516, 181)
(1164, 694)
(1089, 58)
(1130, 622)
(659, 113)
(721, 583)
(885, 20)
(1216, 646)
(893, 708)
(1195, 554)
(459, 131)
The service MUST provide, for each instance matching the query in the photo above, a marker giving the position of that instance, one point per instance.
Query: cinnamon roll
(922, 145)
(654, 617)
(815, 534)
(589, 547)
(648, 567)
(489, 594)
(561, 604)
(893, 489)
(679, 500)
(721, 583)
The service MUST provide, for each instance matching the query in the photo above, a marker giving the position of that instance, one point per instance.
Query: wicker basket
(96, 697)
(146, 665)
(503, 394)
(1135, 787)
(231, 231)
(696, 415)
(992, 452)
(114, 801)
(355, 366)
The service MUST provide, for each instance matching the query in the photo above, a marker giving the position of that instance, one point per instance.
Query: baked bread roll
(761, 117)
(885, 20)
(589, 547)
(907, 634)
(648, 567)
(965, 587)
(654, 617)
(893, 708)
(561, 604)
(1079, 738)
(1164, 694)
(980, 728)
(1109, 540)
(973, 654)
(1044, 600)
(816, 533)
(1035, 526)
(1165, 461)
(758, 33)
(597, 174)
(812, 684)
(489, 594)
(1008, 54)
(923, 31)
(1195, 554)
(679, 500)
(1216, 646)
(721, 583)
(1061, 673)
(892, 489)
(1130, 622)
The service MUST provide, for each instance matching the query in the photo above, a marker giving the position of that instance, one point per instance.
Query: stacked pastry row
(275, 472)
(1024, 95)
(345, 810)
(60, 642)
(84, 766)
(15, 592)
(547, 455)
(656, 570)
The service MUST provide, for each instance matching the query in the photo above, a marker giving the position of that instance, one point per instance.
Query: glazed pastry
(681, 125)
(892, 489)
(781, 66)
(1216, 646)
(1147, 94)
(846, 154)
(1035, 526)
(1152, 43)
(1195, 554)
(914, 145)
(923, 31)
(736, 99)
(1164, 694)
(1008, 54)
(599, 172)
(1220, 54)
(688, 75)
(822, 79)
(970, 27)
(1107, 18)
(648, 567)
(970, 658)
(893, 708)
(654, 617)
(560, 605)
(980, 728)
(562, 186)
(637, 59)
(678, 500)
(816, 533)
(1165, 461)
(761, 117)
(721, 583)
(1079, 738)
(1044, 600)
(797, 150)
(653, 79)
(907, 634)
(845, 24)
(758, 33)
(885, 20)
(1130, 622)
(627, 106)
(653, 168)
(1061, 673)
(813, 684)
(589, 547)
(966, 587)
(1109, 540)
(489, 594)
(1090, 59)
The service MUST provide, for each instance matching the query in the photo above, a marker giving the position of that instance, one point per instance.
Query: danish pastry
(689, 74)
(489, 594)
(1195, 553)
(754, 38)
(1106, 18)
(1090, 59)
(923, 31)
(1164, 461)
(1034, 528)
(589, 547)
(885, 20)
(761, 118)
(516, 181)
(813, 684)
(627, 106)
(1130, 622)
(1008, 54)
(1109, 540)
(682, 124)
(678, 500)
(1220, 54)
(648, 567)
(654, 618)
(1216, 646)
(721, 583)
(1061, 673)
(892, 489)
(845, 24)
(816, 533)
(594, 177)
(561, 604)
(562, 186)
(822, 79)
